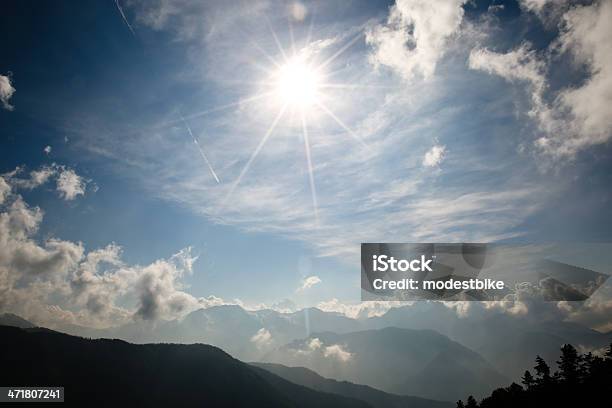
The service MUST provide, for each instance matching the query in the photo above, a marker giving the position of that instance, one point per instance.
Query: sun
(297, 84)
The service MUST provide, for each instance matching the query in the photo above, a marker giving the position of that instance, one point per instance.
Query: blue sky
(440, 121)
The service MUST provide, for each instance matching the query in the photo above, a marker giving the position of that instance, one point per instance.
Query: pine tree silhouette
(582, 381)
(471, 402)
(527, 380)
(569, 364)
(542, 371)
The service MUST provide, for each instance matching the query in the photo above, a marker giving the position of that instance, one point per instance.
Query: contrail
(195, 141)
(124, 18)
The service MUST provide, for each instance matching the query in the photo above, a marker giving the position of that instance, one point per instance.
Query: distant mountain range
(491, 343)
(507, 342)
(401, 361)
(374, 397)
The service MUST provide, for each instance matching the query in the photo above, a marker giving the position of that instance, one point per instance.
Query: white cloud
(587, 35)
(544, 9)
(70, 185)
(381, 192)
(309, 282)
(5, 190)
(534, 5)
(338, 352)
(415, 36)
(56, 281)
(47, 150)
(520, 65)
(359, 309)
(262, 338)
(6, 91)
(434, 156)
(36, 177)
(577, 117)
(314, 344)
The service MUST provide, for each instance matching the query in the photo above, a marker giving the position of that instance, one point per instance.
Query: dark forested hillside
(115, 373)
(581, 381)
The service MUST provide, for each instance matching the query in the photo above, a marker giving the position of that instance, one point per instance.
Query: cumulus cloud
(57, 281)
(6, 91)
(577, 117)
(309, 282)
(338, 352)
(587, 35)
(415, 36)
(70, 185)
(159, 287)
(5, 190)
(315, 346)
(434, 156)
(262, 338)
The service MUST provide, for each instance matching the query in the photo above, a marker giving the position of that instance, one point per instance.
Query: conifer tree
(569, 364)
(471, 402)
(527, 380)
(542, 370)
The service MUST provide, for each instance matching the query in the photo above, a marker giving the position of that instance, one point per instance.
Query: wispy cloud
(383, 191)
(309, 282)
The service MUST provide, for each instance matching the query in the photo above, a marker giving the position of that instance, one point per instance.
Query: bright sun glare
(297, 84)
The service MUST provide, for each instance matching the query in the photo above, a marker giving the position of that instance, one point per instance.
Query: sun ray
(293, 51)
(276, 40)
(195, 141)
(340, 51)
(264, 53)
(310, 27)
(341, 123)
(217, 109)
(313, 190)
(353, 86)
(261, 144)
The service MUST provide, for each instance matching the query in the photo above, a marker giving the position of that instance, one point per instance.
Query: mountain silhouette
(374, 397)
(107, 372)
(9, 319)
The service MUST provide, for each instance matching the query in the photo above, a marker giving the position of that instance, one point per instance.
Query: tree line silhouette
(581, 380)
